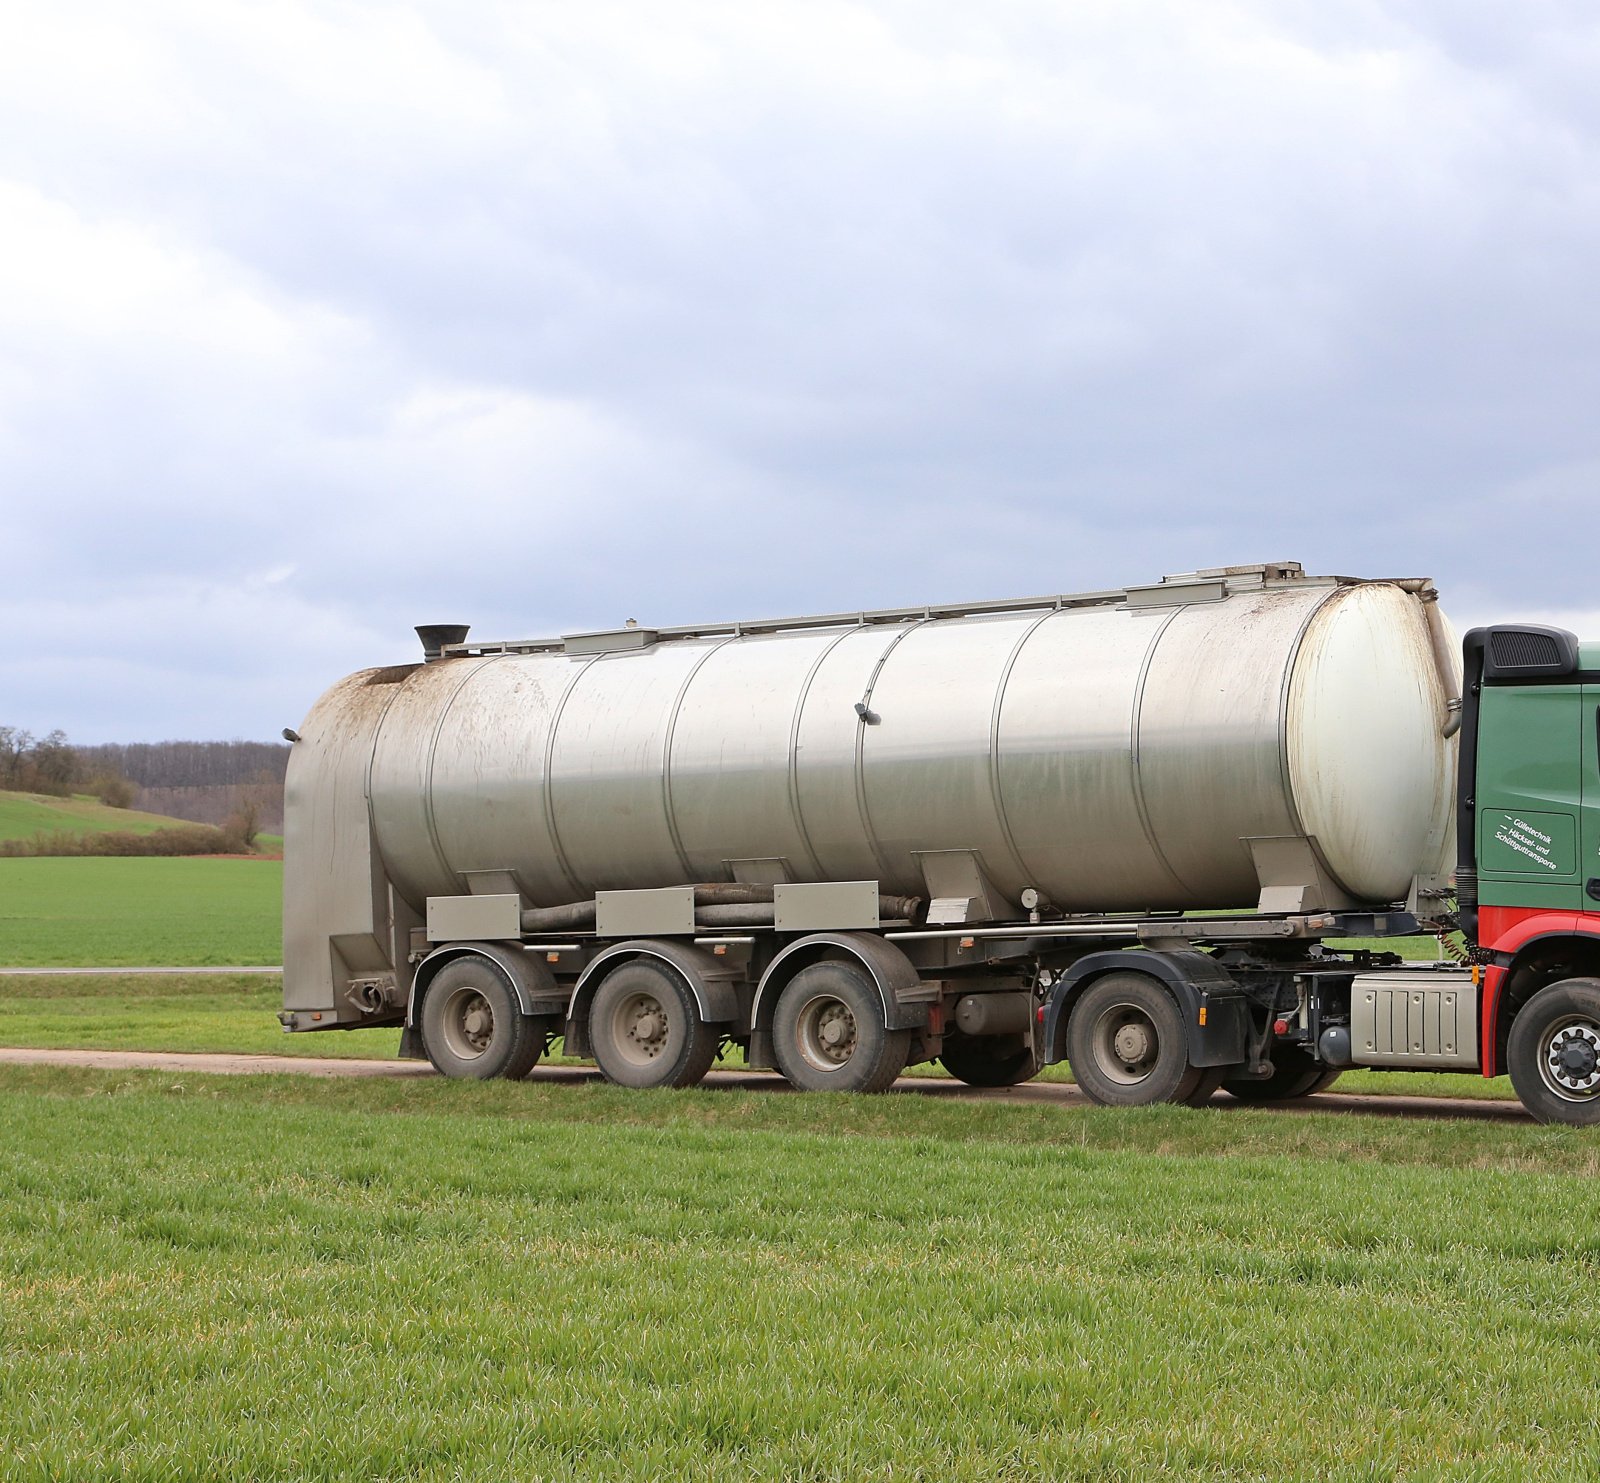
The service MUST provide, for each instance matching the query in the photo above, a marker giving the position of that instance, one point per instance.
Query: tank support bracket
(1293, 877)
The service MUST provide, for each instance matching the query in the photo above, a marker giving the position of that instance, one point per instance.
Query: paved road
(1461, 1108)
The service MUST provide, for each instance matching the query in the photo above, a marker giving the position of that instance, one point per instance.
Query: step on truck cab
(1118, 828)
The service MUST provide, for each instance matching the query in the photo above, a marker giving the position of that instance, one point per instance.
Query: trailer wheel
(1127, 1046)
(828, 1033)
(1294, 1074)
(1553, 1052)
(988, 1060)
(645, 1028)
(472, 1026)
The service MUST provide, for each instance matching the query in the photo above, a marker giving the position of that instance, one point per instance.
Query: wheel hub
(1126, 1044)
(827, 1034)
(646, 1026)
(469, 1024)
(1131, 1044)
(1571, 1063)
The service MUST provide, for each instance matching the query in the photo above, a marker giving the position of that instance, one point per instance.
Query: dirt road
(1050, 1092)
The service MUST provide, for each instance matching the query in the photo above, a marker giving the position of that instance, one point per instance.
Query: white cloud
(329, 318)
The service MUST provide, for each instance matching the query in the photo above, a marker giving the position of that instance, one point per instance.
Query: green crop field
(22, 815)
(125, 912)
(201, 1012)
(271, 1279)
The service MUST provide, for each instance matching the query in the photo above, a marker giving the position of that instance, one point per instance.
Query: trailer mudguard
(710, 980)
(533, 983)
(1215, 1013)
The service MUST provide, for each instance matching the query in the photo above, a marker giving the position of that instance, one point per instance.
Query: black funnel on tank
(435, 636)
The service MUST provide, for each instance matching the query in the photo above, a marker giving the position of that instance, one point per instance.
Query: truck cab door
(1536, 749)
(1589, 816)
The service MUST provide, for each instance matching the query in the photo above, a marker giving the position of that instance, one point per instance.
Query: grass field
(424, 1280)
(22, 815)
(126, 912)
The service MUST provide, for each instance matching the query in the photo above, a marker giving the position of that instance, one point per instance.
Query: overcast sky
(322, 320)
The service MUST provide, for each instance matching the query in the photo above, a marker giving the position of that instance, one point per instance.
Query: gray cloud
(331, 319)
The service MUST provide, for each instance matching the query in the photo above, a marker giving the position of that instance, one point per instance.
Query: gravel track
(1460, 1108)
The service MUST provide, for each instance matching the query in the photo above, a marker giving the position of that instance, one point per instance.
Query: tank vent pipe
(435, 636)
(1444, 660)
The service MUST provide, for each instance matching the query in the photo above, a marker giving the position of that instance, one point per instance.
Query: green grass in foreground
(215, 1012)
(266, 1278)
(125, 912)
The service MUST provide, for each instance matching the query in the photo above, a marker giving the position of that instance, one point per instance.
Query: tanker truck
(1127, 829)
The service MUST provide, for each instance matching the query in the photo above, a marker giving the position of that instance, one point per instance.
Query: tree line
(47, 764)
(51, 764)
(228, 790)
(189, 764)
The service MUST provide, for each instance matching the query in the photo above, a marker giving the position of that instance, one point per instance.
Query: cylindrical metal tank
(1115, 755)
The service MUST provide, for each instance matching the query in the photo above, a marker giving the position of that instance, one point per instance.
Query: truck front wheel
(1553, 1053)
(473, 1027)
(1127, 1046)
(646, 1030)
(828, 1033)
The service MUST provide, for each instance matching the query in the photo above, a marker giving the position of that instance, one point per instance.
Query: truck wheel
(472, 1026)
(1206, 1081)
(1127, 1046)
(988, 1060)
(1553, 1053)
(645, 1028)
(828, 1033)
(1294, 1074)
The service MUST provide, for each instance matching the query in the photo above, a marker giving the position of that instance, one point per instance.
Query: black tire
(1128, 1047)
(828, 1033)
(988, 1060)
(472, 1026)
(645, 1028)
(1553, 1053)
(1294, 1074)
(1206, 1081)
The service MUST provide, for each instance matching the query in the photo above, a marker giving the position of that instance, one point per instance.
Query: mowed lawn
(125, 912)
(271, 1279)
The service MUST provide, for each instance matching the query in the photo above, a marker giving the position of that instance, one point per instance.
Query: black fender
(710, 980)
(904, 994)
(535, 986)
(1215, 1012)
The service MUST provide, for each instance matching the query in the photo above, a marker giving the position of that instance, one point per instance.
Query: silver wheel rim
(639, 1028)
(1569, 1059)
(825, 1033)
(1125, 1045)
(468, 1021)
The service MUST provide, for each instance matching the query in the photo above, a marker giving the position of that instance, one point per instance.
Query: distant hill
(22, 815)
(216, 804)
(203, 782)
(189, 764)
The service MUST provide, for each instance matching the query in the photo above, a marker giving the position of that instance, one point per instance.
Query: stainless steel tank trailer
(1113, 827)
